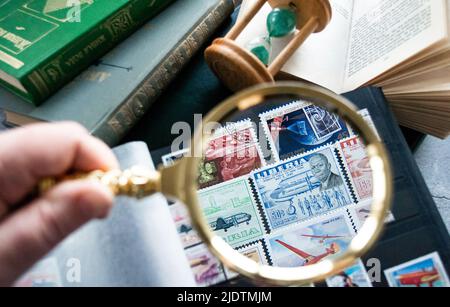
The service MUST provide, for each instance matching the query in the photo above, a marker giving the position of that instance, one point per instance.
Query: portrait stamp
(187, 234)
(233, 152)
(310, 243)
(231, 212)
(206, 268)
(357, 163)
(426, 271)
(300, 127)
(301, 188)
(351, 277)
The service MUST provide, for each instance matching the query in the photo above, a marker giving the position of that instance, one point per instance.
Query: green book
(46, 43)
(111, 96)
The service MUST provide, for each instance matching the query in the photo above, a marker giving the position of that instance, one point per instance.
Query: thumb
(34, 230)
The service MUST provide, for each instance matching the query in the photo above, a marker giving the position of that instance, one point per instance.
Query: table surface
(433, 158)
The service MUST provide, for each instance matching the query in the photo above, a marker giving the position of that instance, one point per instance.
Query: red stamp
(233, 154)
(358, 165)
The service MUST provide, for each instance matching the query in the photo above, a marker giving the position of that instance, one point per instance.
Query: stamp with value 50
(301, 188)
(231, 212)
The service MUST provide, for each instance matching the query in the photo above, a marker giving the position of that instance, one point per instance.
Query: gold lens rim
(367, 235)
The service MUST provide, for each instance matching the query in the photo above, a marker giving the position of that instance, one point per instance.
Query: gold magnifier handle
(137, 182)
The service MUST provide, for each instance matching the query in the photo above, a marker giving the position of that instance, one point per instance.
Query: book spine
(112, 129)
(58, 70)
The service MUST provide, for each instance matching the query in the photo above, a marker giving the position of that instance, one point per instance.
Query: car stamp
(352, 277)
(187, 234)
(301, 188)
(357, 164)
(300, 127)
(206, 268)
(233, 152)
(231, 212)
(426, 271)
(309, 243)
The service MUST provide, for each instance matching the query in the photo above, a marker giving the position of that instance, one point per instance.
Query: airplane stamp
(300, 127)
(233, 152)
(426, 271)
(206, 268)
(309, 243)
(352, 277)
(357, 164)
(301, 188)
(361, 211)
(187, 234)
(231, 211)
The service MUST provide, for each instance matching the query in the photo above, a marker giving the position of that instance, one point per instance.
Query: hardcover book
(45, 43)
(110, 96)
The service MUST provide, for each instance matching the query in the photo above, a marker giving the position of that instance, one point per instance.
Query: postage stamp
(254, 251)
(301, 188)
(206, 268)
(180, 215)
(300, 127)
(426, 271)
(231, 212)
(357, 163)
(351, 277)
(233, 152)
(361, 211)
(44, 274)
(171, 158)
(309, 243)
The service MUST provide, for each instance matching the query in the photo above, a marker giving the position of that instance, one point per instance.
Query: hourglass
(239, 68)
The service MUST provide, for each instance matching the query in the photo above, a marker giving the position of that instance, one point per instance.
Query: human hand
(29, 154)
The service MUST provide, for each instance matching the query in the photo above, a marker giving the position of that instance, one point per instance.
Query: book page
(321, 59)
(384, 33)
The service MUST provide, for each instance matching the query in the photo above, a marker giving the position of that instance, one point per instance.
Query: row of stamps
(250, 202)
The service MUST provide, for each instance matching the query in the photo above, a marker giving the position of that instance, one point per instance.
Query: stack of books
(401, 46)
(82, 62)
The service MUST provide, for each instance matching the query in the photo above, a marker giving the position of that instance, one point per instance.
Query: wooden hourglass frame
(239, 69)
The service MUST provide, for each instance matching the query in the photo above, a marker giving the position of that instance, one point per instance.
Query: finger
(34, 230)
(36, 151)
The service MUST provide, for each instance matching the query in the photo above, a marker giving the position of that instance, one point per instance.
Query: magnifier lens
(286, 182)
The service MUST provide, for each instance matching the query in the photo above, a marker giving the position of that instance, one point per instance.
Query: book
(112, 95)
(128, 248)
(45, 43)
(401, 46)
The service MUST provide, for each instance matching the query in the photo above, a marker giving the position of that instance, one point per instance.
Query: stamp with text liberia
(301, 188)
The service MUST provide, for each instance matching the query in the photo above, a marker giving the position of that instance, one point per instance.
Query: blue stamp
(299, 127)
(301, 188)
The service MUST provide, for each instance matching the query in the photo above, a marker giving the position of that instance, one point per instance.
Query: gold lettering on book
(19, 42)
(80, 55)
(11, 61)
(120, 23)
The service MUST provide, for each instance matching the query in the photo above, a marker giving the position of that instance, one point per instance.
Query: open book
(402, 46)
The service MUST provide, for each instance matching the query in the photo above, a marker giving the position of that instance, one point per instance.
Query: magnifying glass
(289, 169)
